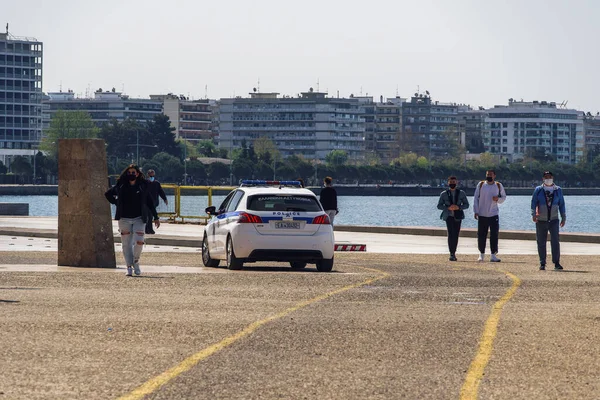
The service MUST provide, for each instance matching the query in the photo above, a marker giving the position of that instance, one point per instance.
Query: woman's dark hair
(301, 182)
(123, 176)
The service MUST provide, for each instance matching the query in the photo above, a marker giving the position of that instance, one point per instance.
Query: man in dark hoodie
(155, 190)
(328, 199)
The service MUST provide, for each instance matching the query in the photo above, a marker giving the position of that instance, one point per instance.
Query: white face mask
(548, 182)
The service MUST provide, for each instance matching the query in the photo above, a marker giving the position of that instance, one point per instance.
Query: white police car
(269, 221)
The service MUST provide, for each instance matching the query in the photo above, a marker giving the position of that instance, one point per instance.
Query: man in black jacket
(155, 190)
(328, 199)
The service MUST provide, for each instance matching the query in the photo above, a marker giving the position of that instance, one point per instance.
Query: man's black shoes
(558, 267)
(452, 257)
(542, 267)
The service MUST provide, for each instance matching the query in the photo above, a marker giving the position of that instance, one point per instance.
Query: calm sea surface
(582, 211)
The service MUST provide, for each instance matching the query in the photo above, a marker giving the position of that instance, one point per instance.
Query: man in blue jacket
(547, 203)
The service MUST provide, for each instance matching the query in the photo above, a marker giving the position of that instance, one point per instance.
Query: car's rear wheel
(325, 265)
(206, 259)
(232, 261)
(297, 264)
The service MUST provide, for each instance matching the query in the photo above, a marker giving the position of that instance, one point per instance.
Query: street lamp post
(34, 154)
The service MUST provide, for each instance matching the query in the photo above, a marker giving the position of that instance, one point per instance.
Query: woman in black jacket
(134, 207)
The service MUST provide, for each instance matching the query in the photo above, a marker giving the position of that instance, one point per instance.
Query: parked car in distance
(269, 221)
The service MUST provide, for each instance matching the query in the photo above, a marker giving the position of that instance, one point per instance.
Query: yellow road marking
(155, 383)
(475, 373)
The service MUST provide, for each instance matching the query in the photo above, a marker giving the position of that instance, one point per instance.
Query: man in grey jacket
(547, 203)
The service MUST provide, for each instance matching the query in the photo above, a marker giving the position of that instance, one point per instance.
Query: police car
(269, 221)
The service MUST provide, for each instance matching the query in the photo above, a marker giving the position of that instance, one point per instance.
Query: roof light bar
(258, 182)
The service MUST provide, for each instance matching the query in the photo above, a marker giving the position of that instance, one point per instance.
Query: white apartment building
(192, 119)
(311, 125)
(20, 96)
(541, 127)
(104, 106)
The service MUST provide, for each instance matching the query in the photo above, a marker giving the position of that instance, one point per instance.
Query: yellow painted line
(486, 343)
(155, 383)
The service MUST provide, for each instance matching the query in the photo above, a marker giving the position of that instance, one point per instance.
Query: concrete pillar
(85, 234)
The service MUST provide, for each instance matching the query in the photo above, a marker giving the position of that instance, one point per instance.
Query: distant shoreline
(387, 190)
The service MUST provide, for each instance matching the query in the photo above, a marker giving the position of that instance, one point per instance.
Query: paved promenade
(39, 234)
(399, 321)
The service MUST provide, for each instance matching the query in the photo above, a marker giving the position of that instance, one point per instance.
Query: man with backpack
(488, 195)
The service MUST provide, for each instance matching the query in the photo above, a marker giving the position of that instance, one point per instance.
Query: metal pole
(185, 159)
(137, 145)
(34, 166)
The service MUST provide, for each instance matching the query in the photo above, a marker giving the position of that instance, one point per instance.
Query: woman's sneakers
(493, 258)
(129, 271)
(452, 257)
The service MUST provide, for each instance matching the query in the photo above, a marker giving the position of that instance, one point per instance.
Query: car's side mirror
(211, 210)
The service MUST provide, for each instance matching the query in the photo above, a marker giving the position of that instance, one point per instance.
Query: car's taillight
(246, 218)
(322, 220)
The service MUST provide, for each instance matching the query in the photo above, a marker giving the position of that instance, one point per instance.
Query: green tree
(206, 148)
(162, 135)
(67, 125)
(406, 159)
(336, 158)
(242, 168)
(20, 166)
(3, 168)
(218, 173)
(167, 166)
(263, 146)
(196, 170)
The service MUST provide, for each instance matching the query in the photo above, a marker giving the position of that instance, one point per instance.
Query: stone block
(85, 235)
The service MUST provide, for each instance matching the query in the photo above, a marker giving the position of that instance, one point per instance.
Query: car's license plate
(287, 225)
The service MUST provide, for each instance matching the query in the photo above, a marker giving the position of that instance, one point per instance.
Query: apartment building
(104, 106)
(20, 96)
(591, 129)
(192, 119)
(471, 123)
(539, 127)
(310, 125)
(383, 126)
(429, 128)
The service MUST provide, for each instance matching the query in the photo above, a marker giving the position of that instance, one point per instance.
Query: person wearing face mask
(547, 203)
(452, 202)
(134, 208)
(156, 191)
(488, 194)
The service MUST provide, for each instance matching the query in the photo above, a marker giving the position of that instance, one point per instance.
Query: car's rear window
(283, 203)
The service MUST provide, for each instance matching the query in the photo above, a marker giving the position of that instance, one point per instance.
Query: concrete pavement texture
(381, 326)
(30, 233)
(387, 324)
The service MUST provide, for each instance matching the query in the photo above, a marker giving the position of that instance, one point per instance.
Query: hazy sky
(477, 52)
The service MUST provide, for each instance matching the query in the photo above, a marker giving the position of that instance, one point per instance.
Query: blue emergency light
(258, 182)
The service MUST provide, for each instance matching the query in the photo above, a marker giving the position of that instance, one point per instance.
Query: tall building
(20, 96)
(383, 126)
(311, 125)
(104, 106)
(472, 123)
(534, 128)
(192, 119)
(591, 129)
(429, 128)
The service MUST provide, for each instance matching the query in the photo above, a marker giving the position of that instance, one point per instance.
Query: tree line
(153, 145)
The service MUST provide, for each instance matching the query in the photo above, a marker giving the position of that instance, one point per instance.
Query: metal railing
(176, 214)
